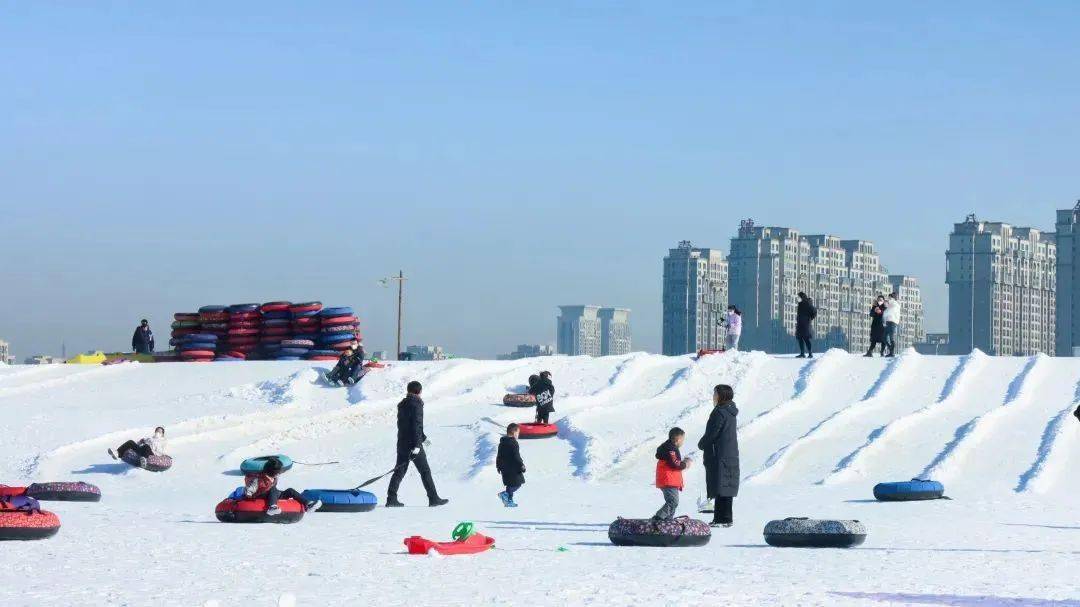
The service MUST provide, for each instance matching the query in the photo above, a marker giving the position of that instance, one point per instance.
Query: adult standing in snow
(410, 447)
(544, 391)
(142, 342)
(805, 313)
(734, 328)
(893, 310)
(877, 326)
(720, 455)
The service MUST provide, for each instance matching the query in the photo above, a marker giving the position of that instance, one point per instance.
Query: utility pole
(385, 282)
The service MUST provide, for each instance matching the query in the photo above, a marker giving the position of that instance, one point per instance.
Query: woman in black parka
(720, 454)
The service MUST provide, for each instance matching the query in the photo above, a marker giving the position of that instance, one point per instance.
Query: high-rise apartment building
(528, 351)
(615, 335)
(910, 331)
(1002, 284)
(1067, 288)
(695, 296)
(592, 331)
(425, 353)
(5, 353)
(769, 266)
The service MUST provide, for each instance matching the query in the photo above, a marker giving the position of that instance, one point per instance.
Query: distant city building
(380, 354)
(769, 266)
(425, 353)
(615, 336)
(5, 353)
(1068, 282)
(42, 359)
(528, 351)
(592, 331)
(695, 296)
(935, 343)
(1002, 283)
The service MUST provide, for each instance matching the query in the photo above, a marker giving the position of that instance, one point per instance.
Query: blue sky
(510, 157)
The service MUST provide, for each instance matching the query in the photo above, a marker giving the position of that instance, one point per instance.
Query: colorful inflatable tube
(253, 510)
(675, 533)
(801, 532)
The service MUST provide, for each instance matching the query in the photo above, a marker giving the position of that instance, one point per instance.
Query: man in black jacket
(410, 447)
(142, 342)
(544, 391)
(508, 463)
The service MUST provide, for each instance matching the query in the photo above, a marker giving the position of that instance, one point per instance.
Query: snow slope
(815, 437)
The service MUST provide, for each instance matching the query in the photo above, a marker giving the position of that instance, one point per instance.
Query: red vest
(668, 477)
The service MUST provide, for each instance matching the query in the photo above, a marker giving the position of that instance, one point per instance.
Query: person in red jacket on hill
(669, 468)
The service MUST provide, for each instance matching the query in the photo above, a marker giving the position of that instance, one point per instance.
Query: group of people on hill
(885, 315)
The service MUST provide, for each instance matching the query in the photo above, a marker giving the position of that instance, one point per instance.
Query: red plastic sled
(371, 365)
(475, 543)
(535, 430)
(704, 352)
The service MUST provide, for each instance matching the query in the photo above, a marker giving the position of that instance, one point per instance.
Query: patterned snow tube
(306, 344)
(253, 510)
(154, 463)
(804, 532)
(676, 533)
(339, 311)
(27, 524)
(333, 338)
(335, 500)
(339, 320)
(519, 400)
(254, 465)
(292, 351)
(909, 491)
(64, 492)
(534, 430)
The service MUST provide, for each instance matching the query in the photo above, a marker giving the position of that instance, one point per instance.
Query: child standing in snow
(544, 391)
(264, 484)
(508, 463)
(669, 469)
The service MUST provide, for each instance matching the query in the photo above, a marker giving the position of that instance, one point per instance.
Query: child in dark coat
(669, 468)
(508, 463)
(544, 391)
(264, 485)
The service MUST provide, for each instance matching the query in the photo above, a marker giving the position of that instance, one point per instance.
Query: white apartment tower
(695, 295)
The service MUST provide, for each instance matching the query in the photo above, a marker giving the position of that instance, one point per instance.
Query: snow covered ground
(815, 437)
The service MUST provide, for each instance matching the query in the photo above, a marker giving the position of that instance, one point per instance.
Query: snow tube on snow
(678, 532)
(343, 500)
(154, 463)
(64, 492)
(909, 491)
(470, 545)
(519, 400)
(6, 491)
(23, 519)
(801, 532)
(253, 510)
(258, 464)
(535, 430)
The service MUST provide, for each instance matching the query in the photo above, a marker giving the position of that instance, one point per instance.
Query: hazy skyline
(509, 158)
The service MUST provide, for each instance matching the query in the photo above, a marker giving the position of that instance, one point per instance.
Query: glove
(415, 452)
(1077, 413)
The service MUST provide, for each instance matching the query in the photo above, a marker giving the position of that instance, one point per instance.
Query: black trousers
(142, 450)
(542, 416)
(404, 456)
(805, 347)
(876, 342)
(274, 494)
(722, 510)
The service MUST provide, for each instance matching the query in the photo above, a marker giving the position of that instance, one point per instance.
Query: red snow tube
(276, 306)
(704, 352)
(340, 320)
(244, 331)
(534, 430)
(306, 307)
(196, 354)
(373, 365)
(22, 525)
(253, 510)
(475, 543)
(6, 491)
(322, 358)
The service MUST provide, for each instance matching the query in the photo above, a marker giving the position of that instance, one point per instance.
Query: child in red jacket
(669, 469)
(264, 485)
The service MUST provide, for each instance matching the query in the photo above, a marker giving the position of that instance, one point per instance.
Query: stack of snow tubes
(276, 327)
(242, 337)
(339, 329)
(304, 327)
(198, 347)
(184, 324)
(214, 320)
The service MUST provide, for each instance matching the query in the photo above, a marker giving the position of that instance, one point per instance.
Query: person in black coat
(805, 313)
(142, 342)
(410, 447)
(877, 326)
(544, 391)
(720, 454)
(508, 463)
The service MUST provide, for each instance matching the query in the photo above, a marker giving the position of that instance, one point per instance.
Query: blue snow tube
(292, 351)
(212, 309)
(916, 489)
(201, 337)
(289, 358)
(248, 307)
(333, 338)
(254, 465)
(307, 336)
(277, 314)
(342, 311)
(323, 353)
(336, 500)
(198, 345)
(305, 314)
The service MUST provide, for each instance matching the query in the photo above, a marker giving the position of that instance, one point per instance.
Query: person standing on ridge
(805, 313)
(410, 447)
(893, 309)
(544, 391)
(720, 455)
(142, 342)
(877, 326)
(734, 328)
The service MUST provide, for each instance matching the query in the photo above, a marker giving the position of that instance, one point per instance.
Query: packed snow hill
(815, 437)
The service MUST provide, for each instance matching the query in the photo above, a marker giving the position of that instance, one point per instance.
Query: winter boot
(312, 505)
(438, 501)
(511, 504)
(112, 455)
(505, 497)
(392, 502)
(273, 510)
